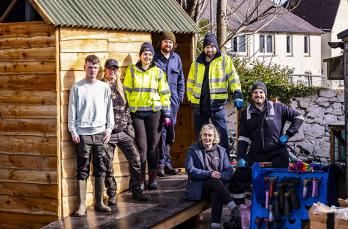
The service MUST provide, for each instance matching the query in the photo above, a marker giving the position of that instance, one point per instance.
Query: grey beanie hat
(259, 85)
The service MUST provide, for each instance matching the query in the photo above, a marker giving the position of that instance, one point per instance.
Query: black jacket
(262, 129)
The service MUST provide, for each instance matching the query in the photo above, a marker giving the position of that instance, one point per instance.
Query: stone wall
(319, 111)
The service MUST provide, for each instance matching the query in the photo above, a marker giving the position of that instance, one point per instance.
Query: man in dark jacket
(262, 128)
(170, 62)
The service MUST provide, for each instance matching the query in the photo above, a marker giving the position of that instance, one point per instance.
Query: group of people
(139, 116)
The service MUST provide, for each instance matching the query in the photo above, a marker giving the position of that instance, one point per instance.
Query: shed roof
(130, 15)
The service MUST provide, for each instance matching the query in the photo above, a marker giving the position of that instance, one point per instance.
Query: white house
(280, 38)
(330, 16)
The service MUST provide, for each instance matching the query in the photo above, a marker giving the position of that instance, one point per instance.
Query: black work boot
(98, 195)
(169, 170)
(81, 194)
(139, 195)
(152, 184)
(235, 221)
(111, 188)
(160, 171)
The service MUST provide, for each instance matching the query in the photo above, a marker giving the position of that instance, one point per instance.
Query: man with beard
(261, 128)
(211, 79)
(170, 63)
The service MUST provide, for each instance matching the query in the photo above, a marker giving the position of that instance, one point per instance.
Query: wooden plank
(28, 54)
(69, 168)
(36, 127)
(28, 111)
(76, 61)
(29, 145)
(125, 59)
(27, 42)
(26, 29)
(28, 176)
(29, 190)
(46, 82)
(126, 47)
(84, 46)
(183, 216)
(68, 149)
(82, 33)
(124, 36)
(27, 67)
(47, 206)
(68, 78)
(21, 96)
(13, 220)
(111, 35)
(28, 162)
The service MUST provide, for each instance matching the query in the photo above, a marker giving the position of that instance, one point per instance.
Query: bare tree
(256, 13)
(194, 8)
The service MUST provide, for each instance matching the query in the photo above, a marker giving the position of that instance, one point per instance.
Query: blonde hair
(118, 85)
(213, 128)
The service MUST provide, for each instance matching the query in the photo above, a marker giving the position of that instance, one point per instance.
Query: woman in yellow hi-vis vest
(148, 96)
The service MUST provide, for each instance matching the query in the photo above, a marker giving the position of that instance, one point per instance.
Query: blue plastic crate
(297, 215)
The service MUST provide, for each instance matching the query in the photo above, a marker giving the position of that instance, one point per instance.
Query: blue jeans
(218, 119)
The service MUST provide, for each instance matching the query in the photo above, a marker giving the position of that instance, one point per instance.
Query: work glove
(167, 122)
(239, 103)
(283, 139)
(242, 163)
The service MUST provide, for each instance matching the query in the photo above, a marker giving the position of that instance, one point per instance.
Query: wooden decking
(165, 209)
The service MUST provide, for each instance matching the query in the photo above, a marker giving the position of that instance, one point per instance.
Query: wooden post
(345, 59)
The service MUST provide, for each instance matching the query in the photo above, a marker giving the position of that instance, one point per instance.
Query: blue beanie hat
(146, 47)
(210, 39)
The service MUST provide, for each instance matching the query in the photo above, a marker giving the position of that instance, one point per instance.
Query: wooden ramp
(166, 208)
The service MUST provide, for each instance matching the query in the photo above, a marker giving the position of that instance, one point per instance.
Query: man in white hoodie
(90, 122)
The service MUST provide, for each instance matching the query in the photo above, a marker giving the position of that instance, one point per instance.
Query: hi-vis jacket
(223, 78)
(147, 90)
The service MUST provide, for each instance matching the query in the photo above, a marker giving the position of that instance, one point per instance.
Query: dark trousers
(242, 177)
(127, 145)
(218, 119)
(147, 133)
(91, 146)
(218, 194)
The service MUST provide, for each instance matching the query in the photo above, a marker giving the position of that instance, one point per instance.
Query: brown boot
(152, 184)
(98, 195)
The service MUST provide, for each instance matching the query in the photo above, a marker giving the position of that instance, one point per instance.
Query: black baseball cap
(111, 63)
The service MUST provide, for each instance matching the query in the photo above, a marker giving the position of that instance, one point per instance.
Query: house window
(289, 44)
(239, 44)
(266, 43)
(306, 45)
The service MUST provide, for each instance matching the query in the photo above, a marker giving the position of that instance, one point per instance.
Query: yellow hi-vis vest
(223, 78)
(147, 90)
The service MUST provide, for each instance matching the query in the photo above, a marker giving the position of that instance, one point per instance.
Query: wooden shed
(43, 44)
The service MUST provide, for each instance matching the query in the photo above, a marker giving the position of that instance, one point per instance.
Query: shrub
(276, 79)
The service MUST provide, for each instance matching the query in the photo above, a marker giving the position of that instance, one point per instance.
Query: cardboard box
(320, 221)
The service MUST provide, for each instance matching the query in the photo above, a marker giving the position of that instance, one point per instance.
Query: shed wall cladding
(75, 45)
(28, 125)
